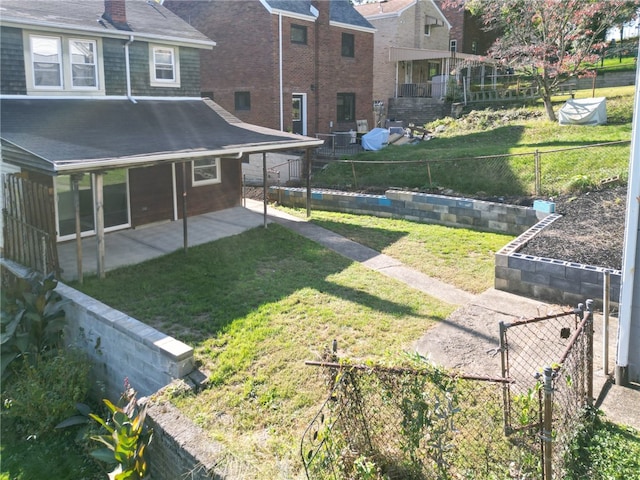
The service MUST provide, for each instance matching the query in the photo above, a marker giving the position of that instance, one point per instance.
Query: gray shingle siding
(12, 74)
(115, 74)
(140, 76)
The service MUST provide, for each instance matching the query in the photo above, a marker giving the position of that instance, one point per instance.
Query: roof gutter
(128, 68)
(67, 167)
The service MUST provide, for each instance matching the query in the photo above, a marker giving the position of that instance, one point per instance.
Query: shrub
(32, 320)
(39, 396)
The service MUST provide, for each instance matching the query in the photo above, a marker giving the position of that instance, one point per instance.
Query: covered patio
(133, 246)
(158, 151)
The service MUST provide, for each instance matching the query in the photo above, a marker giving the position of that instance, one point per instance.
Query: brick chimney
(115, 12)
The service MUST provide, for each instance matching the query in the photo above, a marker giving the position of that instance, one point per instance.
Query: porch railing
(415, 90)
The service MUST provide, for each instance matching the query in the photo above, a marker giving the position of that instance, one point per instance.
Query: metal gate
(550, 360)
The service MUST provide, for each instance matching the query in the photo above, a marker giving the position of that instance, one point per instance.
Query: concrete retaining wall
(420, 207)
(548, 279)
(179, 448)
(120, 346)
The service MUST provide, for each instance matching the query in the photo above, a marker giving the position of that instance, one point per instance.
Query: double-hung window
(84, 67)
(205, 171)
(57, 64)
(299, 34)
(242, 100)
(165, 71)
(46, 61)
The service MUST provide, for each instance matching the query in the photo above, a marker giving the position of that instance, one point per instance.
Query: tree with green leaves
(549, 40)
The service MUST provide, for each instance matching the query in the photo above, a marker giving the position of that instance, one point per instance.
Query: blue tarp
(375, 139)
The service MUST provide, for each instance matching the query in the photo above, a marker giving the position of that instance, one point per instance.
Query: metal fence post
(43, 253)
(605, 323)
(589, 332)
(548, 423)
(504, 361)
(536, 162)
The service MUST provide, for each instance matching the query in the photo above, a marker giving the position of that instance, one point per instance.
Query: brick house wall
(467, 29)
(249, 62)
(339, 74)
(244, 58)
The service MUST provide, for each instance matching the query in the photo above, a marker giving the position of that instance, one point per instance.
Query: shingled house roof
(341, 11)
(57, 136)
(146, 19)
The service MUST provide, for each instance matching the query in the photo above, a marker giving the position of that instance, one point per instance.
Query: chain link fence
(532, 173)
(417, 422)
(420, 421)
(550, 360)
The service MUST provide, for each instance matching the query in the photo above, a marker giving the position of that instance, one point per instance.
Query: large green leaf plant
(32, 320)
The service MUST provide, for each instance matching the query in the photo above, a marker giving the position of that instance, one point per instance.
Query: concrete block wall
(180, 449)
(120, 346)
(549, 279)
(421, 207)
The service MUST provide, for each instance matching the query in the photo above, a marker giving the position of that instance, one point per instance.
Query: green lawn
(458, 256)
(510, 138)
(256, 306)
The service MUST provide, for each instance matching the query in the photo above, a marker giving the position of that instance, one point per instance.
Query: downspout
(128, 68)
(280, 72)
(629, 256)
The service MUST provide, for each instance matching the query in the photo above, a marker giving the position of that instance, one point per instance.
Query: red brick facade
(467, 31)
(246, 58)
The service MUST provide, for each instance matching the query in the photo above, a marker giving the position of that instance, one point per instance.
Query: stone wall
(421, 207)
(549, 279)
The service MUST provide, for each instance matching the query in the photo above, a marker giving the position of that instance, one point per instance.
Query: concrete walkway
(476, 318)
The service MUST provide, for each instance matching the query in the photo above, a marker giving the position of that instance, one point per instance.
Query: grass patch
(458, 256)
(517, 133)
(256, 306)
(605, 451)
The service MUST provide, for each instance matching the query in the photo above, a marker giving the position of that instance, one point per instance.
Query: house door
(115, 203)
(299, 114)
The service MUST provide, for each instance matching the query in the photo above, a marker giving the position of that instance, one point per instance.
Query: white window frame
(427, 30)
(175, 66)
(94, 64)
(32, 62)
(453, 45)
(66, 76)
(208, 181)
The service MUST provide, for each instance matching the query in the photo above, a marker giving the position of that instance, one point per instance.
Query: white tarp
(584, 111)
(375, 139)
